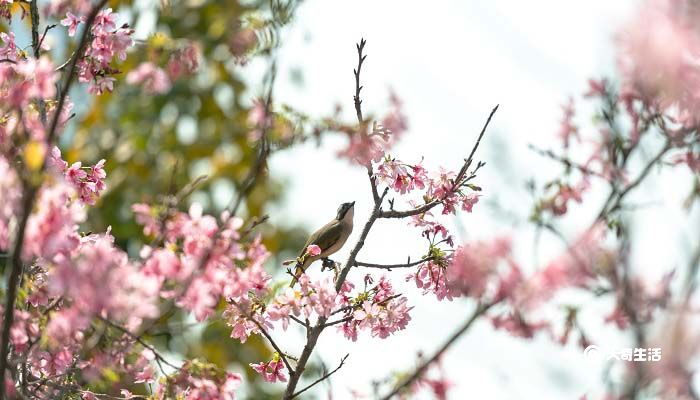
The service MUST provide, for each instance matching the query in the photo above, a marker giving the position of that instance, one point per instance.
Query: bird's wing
(325, 237)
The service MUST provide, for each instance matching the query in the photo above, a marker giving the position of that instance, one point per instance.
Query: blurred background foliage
(156, 144)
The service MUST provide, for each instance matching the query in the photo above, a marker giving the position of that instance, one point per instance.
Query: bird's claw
(327, 264)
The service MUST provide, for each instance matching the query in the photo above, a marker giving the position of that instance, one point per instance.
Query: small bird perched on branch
(329, 238)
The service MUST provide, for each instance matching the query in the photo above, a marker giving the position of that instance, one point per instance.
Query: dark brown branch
(360, 119)
(140, 340)
(269, 338)
(323, 378)
(617, 199)
(346, 308)
(567, 162)
(460, 179)
(360, 59)
(300, 322)
(29, 195)
(15, 266)
(340, 321)
(418, 373)
(72, 71)
(389, 267)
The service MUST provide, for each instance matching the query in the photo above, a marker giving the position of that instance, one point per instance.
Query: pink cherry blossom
(72, 22)
(271, 371)
(152, 78)
(184, 61)
(313, 250)
(567, 127)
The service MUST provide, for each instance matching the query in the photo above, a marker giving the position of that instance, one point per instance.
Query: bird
(329, 238)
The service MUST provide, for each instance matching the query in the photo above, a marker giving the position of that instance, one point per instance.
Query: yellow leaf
(34, 153)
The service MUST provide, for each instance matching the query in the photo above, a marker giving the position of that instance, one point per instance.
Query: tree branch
(314, 333)
(458, 182)
(71, 71)
(389, 267)
(418, 373)
(29, 196)
(360, 59)
(143, 343)
(269, 338)
(567, 162)
(323, 378)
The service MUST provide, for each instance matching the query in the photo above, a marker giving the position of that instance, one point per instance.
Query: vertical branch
(314, 333)
(360, 59)
(30, 190)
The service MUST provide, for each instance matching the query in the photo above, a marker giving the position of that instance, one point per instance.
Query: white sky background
(451, 62)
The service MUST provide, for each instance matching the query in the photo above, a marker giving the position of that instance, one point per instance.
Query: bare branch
(140, 340)
(389, 267)
(480, 310)
(360, 59)
(323, 378)
(567, 162)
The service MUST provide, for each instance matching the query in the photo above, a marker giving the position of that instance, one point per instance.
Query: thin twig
(138, 339)
(269, 338)
(300, 322)
(72, 72)
(418, 373)
(460, 179)
(567, 162)
(392, 266)
(360, 59)
(323, 378)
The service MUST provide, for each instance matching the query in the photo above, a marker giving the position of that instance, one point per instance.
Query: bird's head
(345, 211)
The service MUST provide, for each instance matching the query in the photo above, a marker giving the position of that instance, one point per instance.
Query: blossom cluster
(199, 380)
(183, 61)
(370, 147)
(107, 44)
(202, 255)
(271, 371)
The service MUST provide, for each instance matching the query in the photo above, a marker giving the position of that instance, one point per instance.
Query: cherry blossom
(72, 22)
(153, 78)
(271, 371)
